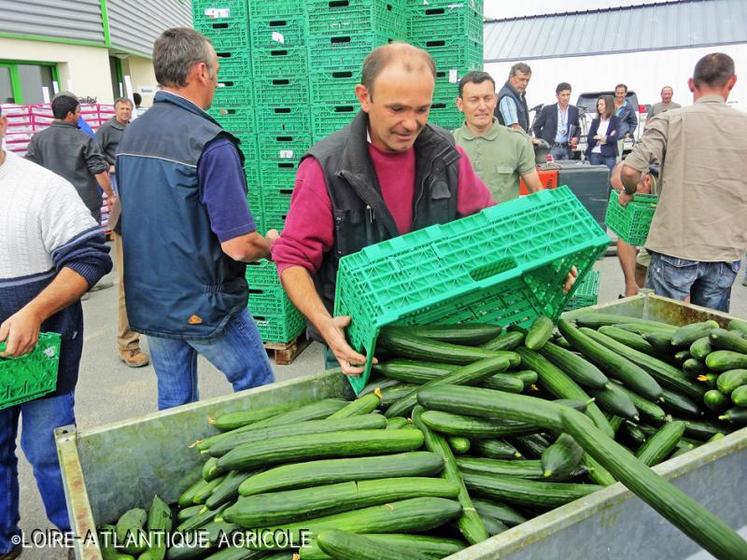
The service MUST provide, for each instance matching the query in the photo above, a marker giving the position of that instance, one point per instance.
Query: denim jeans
(238, 353)
(707, 283)
(598, 159)
(560, 152)
(39, 419)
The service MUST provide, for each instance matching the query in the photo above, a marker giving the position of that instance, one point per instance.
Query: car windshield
(588, 101)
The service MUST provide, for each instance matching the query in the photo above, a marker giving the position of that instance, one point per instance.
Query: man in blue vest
(512, 109)
(187, 230)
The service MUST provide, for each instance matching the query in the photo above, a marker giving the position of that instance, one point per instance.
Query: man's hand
(623, 198)
(272, 235)
(574, 142)
(21, 332)
(570, 280)
(351, 362)
(111, 201)
(535, 141)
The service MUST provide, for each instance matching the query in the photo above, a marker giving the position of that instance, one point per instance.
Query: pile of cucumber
(462, 433)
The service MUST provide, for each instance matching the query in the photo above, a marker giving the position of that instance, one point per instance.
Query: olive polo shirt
(500, 158)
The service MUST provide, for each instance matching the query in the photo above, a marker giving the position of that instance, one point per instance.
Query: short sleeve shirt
(500, 158)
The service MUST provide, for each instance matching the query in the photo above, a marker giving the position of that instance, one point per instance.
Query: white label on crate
(278, 37)
(453, 76)
(286, 154)
(217, 13)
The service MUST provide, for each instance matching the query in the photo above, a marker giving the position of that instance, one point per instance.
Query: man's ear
(364, 97)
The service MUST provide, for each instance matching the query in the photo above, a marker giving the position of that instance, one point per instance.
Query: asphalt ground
(109, 391)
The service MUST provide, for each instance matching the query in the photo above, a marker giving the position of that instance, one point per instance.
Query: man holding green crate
(52, 252)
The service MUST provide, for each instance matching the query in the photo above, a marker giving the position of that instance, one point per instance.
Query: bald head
(410, 59)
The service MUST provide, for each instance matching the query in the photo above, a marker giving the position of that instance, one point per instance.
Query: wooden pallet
(285, 352)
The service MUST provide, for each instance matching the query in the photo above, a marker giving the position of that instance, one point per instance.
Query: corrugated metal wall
(135, 24)
(79, 20)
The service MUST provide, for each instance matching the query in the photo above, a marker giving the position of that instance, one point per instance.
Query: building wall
(83, 70)
(141, 74)
(643, 72)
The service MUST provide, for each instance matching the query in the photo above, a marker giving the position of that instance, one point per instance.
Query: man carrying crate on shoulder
(51, 252)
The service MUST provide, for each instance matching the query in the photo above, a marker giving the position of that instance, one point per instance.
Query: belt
(561, 144)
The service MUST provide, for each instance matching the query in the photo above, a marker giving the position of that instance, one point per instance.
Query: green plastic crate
(279, 61)
(504, 265)
(270, 301)
(225, 35)
(276, 8)
(334, 86)
(219, 10)
(475, 5)
(280, 173)
(277, 119)
(445, 114)
(31, 376)
(585, 292)
(452, 52)
(344, 50)
(234, 66)
(332, 17)
(233, 92)
(276, 202)
(234, 119)
(279, 328)
(271, 90)
(280, 147)
(280, 31)
(457, 19)
(274, 220)
(262, 274)
(326, 119)
(632, 222)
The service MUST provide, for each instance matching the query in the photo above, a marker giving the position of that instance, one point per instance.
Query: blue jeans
(560, 152)
(707, 283)
(238, 353)
(599, 159)
(40, 418)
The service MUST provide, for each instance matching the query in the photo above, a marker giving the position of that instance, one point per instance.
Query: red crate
(548, 177)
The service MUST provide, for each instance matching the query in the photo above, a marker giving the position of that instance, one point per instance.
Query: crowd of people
(176, 190)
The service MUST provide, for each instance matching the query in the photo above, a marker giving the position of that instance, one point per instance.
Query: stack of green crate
(226, 24)
(281, 88)
(340, 35)
(452, 32)
(585, 293)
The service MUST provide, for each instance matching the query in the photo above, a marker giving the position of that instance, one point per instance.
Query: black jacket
(609, 148)
(546, 124)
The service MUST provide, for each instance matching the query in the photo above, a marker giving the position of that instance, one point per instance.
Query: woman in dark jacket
(601, 145)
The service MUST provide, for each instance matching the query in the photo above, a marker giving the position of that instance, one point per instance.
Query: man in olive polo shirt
(499, 155)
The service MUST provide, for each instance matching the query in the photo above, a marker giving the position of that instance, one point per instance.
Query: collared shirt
(703, 183)
(561, 136)
(659, 108)
(508, 111)
(500, 158)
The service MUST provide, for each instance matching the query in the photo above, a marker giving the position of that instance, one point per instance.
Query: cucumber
(562, 342)
(557, 382)
(202, 518)
(204, 493)
(701, 348)
(736, 415)
(450, 424)
(316, 473)
(233, 420)
(534, 445)
(199, 544)
(631, 339)
(504, 382)
(420, 348)
(529, 469)
(659, 446)
(159, 525)
(527, 376)
(226, 491)
(597, 473)
(738, 326)
(694, 520)
(459, 445)
(339, 544)
(503, 513)
(681, 356)
(433, 548)
(187, 497)
(108, 543)
(470, 524)
(391, 395)
(693, 368)
(615, 401)
(495, 449)
(471, 373)
(561, 458)
(210, 469)
(290, 506)
(471, 334)
(647, 409)
(716, 401)
(396, 423)
(661, 343)
(378, 383)
(130, 531)
(526, 493)
(739, 396)
(539, 333)
(728, 340)
(633, 434)
(667, 375)
(598, 319)
(493, 526)
(687, 334)
(703, 430)
(611, 356)
(581, 371)
(504, 341)
(709, 379)
(412, 371)
(350, 443)
(237, 553)
(679, 404)
(724, 360)
(645, 329)
(358, 407)
(411, 515)
(189, 511)
(486, 403)
(730, 380)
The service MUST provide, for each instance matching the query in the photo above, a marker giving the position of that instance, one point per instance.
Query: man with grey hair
(187, 230)
(666, 103)
(512, 109)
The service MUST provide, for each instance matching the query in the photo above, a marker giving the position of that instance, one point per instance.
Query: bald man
(387, 173)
